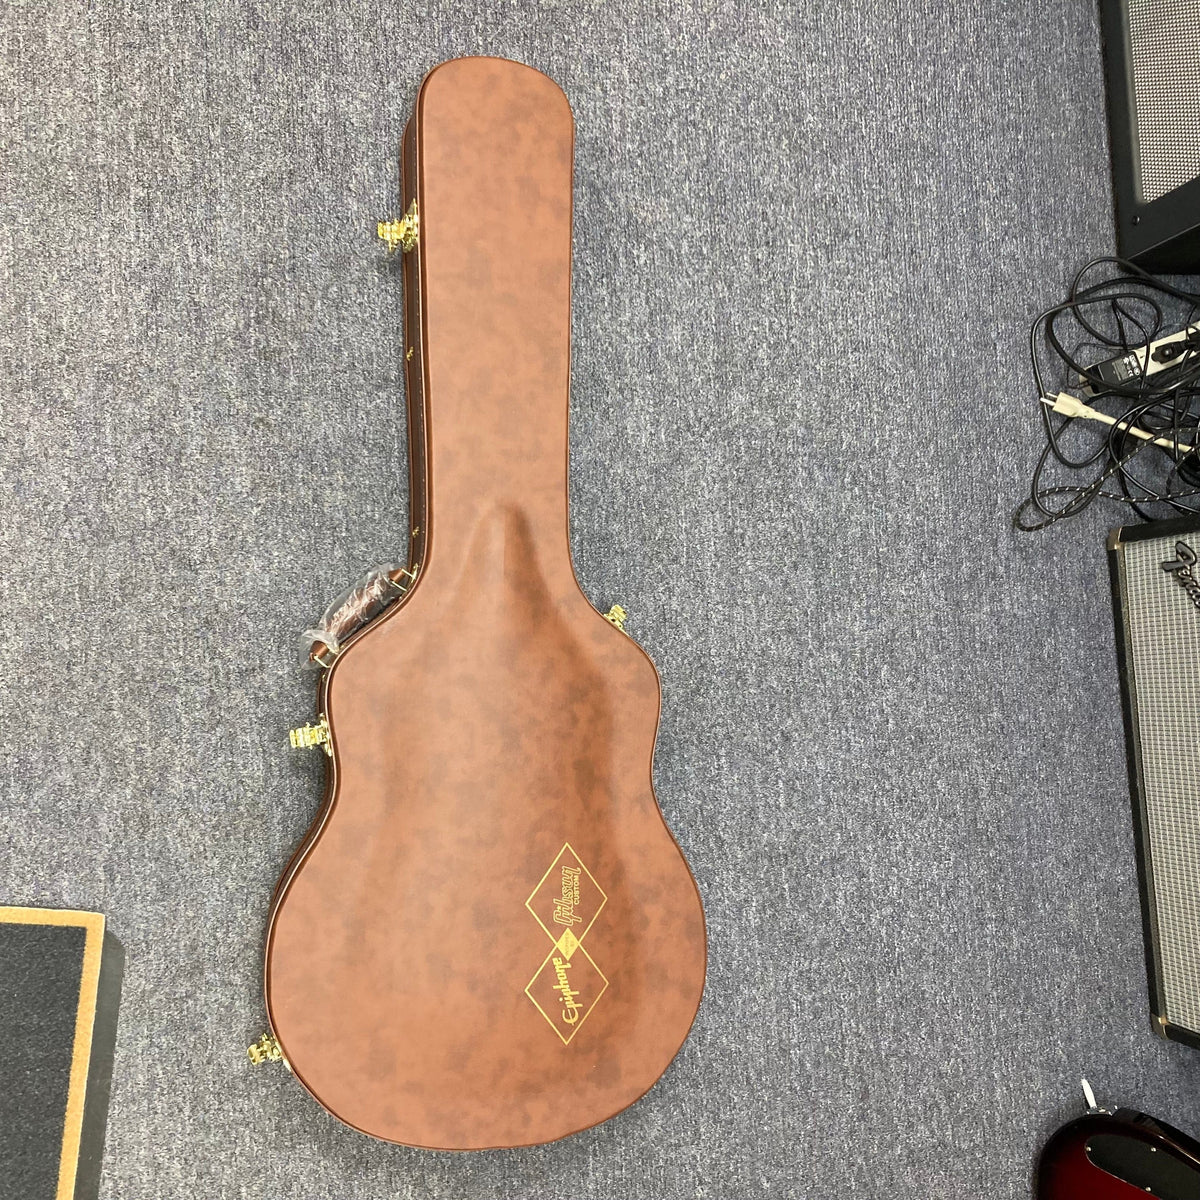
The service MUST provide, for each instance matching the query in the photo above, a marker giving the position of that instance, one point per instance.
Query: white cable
(1071, 406)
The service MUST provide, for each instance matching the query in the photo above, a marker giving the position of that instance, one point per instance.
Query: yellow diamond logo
(566, 897)
(566, 903)
(565, 990)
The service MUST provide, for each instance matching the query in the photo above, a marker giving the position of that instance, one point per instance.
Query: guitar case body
(489, 937)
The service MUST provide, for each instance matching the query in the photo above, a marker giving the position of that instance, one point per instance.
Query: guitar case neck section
(414, 365)
(493, 191)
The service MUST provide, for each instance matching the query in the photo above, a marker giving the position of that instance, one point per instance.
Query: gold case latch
(266, 1049)
(402, 233)
(616, 616)
(308, 736)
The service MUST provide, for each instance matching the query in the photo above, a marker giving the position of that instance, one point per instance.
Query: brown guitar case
(489, 937)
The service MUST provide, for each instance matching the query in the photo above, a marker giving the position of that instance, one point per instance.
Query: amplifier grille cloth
(1164, 43)
(1164, 654)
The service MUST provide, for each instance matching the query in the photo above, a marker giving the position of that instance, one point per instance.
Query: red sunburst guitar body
(1119, 1156)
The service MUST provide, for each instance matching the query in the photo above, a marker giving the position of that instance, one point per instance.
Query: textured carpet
(809, 240)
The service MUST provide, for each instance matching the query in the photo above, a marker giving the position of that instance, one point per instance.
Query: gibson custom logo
(564, 906)
(566, 903)
(1181, 567)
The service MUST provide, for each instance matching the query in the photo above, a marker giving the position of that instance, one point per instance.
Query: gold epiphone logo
(566, 903)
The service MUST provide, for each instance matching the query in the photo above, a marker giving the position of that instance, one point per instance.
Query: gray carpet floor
(809, 241)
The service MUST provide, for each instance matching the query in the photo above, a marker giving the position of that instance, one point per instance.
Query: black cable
(1110, 323)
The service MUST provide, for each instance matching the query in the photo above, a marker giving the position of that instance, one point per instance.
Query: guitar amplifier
(1152, 68)
(60, 983)
(1156, 596)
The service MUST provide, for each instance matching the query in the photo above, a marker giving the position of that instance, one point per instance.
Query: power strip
(1138, 364)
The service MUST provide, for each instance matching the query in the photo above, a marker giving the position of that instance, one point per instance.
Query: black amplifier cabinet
(1152, 66)
(60, 981)
(1156, 598)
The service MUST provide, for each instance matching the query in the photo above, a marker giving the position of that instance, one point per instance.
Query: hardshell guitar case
(489, 937)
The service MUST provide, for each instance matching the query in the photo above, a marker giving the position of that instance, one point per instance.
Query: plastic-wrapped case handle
(354, 608)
